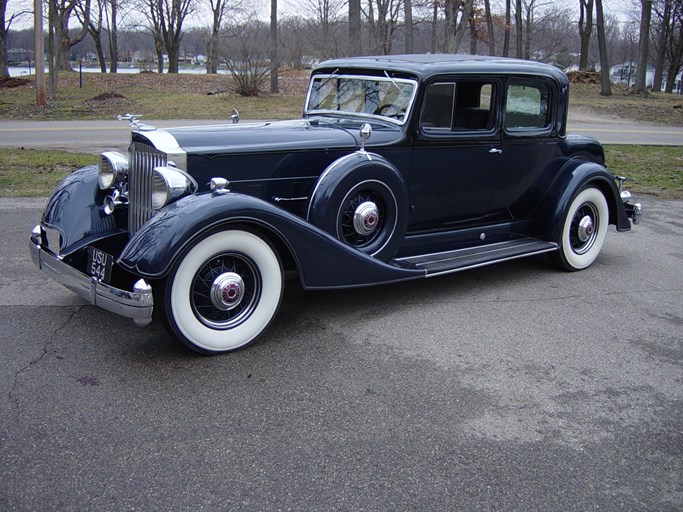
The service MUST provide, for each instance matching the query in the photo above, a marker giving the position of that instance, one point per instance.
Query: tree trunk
(113, 39)
(519, 30)
(528, 30)
(489, 27)
(473, 36)
(274, 87)
(644, 46)
(435, 21)
(662, 40)
(39, 53)
(458, 31)
(585, 29)
(213, 52)
(355, 46)
(508, 26)
(100, 53)
(676, 60)
(602, 46)
(52, 51)
(4, 69)
(159, 49)
(408, 18)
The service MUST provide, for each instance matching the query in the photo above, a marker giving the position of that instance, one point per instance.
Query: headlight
(169, 184)
(112, 169)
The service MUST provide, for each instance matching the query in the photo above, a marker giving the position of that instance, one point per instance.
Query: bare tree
(585, 29)
(220, 9)
(113, 36)
(606, 89)
(508, 26)
(5, 25)
(245, 58)
(664, 31)
(518, 30)
(355, 45)
(675, 47)
(274, 64)
(382, 17)
(166, 18)
(457, 17)
(489, 27)
(95, 29)
(62, 12)
(408, 24)
(644, 46)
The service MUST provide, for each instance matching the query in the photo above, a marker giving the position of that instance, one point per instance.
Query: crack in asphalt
(48, 342)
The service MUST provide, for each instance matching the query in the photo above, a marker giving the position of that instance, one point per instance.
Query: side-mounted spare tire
(362, 200)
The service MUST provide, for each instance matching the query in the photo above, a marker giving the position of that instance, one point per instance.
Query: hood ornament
(135, 124)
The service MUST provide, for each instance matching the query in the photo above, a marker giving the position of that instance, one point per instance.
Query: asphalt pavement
(511, 387)
(97, 136)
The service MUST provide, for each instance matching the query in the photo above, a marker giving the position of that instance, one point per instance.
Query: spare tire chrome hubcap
(366, 218)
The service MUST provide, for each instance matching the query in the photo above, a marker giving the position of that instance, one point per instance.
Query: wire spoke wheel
(362, 218)
(225, 290)
(584, 229)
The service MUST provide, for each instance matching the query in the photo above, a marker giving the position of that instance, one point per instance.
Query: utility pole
(39, 49)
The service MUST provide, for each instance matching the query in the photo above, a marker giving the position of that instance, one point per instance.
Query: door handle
(495, 151)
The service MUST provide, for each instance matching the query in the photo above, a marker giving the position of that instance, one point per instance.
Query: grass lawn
(657, 170)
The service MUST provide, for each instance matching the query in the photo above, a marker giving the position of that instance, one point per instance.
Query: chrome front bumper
(137, 305)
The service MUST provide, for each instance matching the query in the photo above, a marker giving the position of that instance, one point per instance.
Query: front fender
(75, 210)
(576, 175)
(322, 261)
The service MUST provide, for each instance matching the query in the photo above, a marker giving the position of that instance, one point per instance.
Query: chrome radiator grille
(142, 161)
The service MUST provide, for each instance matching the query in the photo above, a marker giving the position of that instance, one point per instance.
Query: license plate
(99, 264)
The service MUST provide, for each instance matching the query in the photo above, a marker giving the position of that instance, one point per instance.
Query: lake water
(17, 71)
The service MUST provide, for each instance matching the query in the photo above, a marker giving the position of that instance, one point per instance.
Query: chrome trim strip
(135, 305)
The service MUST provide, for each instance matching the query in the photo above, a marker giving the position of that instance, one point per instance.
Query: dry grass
(186, 96)
(181, 96)
(654, 108)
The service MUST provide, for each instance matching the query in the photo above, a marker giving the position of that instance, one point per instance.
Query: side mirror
(365, 132)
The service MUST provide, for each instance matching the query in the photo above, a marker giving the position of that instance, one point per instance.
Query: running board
(482, 255)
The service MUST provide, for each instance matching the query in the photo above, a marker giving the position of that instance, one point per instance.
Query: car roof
(428, 64)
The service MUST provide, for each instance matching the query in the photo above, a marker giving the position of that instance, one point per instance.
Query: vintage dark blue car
(402, 167)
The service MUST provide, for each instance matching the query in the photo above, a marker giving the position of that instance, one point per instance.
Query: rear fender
(321, 260)
(577, 175)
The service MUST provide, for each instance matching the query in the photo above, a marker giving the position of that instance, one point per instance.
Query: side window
(455, 107)
(438, 109)
(527, 106)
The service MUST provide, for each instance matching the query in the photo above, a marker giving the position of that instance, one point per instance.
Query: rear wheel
(224, 292)
(584, 229)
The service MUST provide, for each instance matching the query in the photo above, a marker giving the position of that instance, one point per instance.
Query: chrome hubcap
(227, 291)
(586, 228)
(366, 218)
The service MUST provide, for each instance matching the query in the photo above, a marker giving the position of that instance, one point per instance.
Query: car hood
(300, 134)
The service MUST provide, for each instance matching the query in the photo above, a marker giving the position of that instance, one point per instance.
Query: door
(456, 154)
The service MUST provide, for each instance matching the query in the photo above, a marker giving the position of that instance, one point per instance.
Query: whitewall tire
(584, 229)
(224, 292)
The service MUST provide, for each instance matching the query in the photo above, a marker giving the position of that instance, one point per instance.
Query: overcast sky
(618, 8)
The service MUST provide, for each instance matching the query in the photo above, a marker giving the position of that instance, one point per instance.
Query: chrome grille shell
(142, 160)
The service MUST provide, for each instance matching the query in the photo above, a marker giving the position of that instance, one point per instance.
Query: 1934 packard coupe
(401, 167)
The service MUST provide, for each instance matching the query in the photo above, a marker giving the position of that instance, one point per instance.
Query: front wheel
(584, 229)
(224, 292)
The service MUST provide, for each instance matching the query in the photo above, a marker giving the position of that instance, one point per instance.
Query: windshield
(389, 98)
